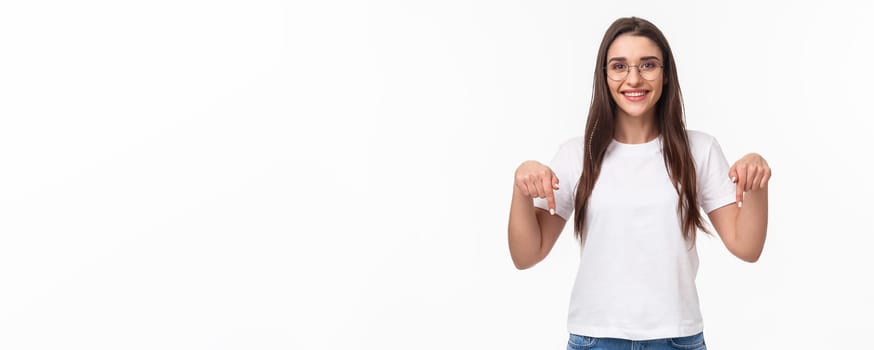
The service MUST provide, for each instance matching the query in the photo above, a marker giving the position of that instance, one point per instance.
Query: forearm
(752, 224)
(523, 231)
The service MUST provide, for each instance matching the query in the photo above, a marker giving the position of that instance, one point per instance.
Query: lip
(637, 95)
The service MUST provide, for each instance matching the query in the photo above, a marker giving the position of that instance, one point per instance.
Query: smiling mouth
(635, 95)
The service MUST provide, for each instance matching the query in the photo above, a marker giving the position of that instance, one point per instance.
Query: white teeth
(634, 94)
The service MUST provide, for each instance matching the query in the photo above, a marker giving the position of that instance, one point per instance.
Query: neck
(633, 130)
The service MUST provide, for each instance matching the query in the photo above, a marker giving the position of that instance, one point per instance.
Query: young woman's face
(637, 92)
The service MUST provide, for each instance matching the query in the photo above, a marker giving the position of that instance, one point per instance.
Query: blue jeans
(581, 342)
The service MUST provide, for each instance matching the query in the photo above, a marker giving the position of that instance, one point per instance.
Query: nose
(633, 77)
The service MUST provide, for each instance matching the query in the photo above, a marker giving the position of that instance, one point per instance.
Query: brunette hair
(669, 119)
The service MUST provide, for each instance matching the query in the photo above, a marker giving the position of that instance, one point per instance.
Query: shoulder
(699, 139)
(571, 150)
(573, 144)
(702, 145)
(570, 155)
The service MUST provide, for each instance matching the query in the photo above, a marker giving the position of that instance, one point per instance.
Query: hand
(750, 173)
(535, 180)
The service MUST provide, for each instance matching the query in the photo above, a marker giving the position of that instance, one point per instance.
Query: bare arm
(532, 231)
(743, 227)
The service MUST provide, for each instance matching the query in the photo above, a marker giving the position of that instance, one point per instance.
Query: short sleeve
(715, 189)
(567, 166)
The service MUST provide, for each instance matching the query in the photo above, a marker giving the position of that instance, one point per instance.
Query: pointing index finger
(740, 182)
(549, 185)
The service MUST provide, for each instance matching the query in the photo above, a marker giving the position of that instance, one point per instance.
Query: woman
(636, 181)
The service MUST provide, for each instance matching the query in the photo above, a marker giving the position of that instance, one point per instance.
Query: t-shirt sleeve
(563, 164)
(715, 189)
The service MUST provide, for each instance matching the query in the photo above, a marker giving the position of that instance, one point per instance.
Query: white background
(320, 175)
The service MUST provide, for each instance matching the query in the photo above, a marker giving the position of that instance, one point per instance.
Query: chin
(637, 113)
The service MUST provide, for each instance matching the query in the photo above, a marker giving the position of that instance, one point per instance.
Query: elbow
(523, 265)
(749, 250)
(750, 257)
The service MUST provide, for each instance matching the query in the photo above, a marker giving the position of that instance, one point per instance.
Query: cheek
(614, 90)
(657, 93)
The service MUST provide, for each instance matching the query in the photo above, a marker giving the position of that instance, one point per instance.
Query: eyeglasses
(618, 71)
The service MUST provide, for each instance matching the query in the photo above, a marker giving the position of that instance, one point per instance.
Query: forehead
(632, 47)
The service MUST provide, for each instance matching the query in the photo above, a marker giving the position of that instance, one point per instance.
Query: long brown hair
(669, 119)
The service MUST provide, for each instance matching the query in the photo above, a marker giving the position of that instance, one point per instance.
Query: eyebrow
(642, 58)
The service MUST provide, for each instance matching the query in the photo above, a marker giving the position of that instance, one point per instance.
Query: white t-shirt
(636, 278)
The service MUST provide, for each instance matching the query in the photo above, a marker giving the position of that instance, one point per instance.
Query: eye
(649, 65)
(618, 66)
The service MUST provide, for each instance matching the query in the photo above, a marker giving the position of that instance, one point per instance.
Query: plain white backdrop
(320, 175)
